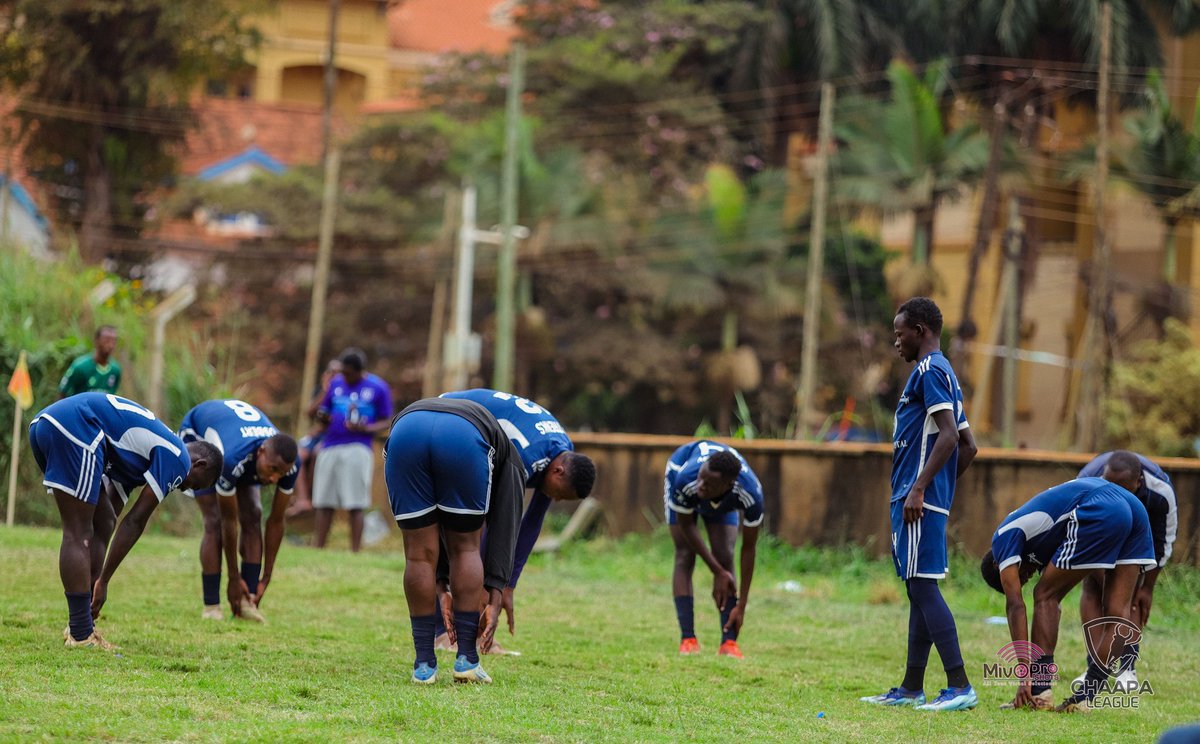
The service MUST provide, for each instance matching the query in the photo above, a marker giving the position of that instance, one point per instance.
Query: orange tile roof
(290, 133)
(440, 26)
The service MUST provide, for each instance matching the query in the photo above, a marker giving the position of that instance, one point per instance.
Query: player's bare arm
(273, 537)
(127, 534)
(1018, 626)
(967, 449)
(747, 557)
(236, 589)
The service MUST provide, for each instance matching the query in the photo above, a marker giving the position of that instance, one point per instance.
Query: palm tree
(1055, 35)
(1163, 164)
(904, 157)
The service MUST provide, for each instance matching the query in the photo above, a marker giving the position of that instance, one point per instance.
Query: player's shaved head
(206, 464)
(991, 572)
(581, 474)
(284, 447)
(1124, 469)
(725, 464)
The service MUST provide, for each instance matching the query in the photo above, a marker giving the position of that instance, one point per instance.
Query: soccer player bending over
(1158, 496)
(450, 468)
(95, 449)
(255, 454)
(714, 482)
(553, 470)
(1082, 528)
(931, 447)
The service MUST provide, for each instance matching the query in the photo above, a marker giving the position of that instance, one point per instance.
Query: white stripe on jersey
(143, 441)
(1164, 489)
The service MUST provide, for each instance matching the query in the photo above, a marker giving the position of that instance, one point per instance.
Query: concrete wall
(838, 493)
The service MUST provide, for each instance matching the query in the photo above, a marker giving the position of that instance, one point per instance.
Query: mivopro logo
(1019, 663)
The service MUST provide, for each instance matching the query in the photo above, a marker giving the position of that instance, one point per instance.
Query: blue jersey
(237, 429)
(138, 448)
(1035, 531)
(538, 435)
(931, 387)
(1156, 494)
(682, 479)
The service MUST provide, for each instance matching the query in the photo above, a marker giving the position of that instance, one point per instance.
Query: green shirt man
(97, 371)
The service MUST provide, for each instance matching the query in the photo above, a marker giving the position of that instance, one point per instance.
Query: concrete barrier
(834, 494)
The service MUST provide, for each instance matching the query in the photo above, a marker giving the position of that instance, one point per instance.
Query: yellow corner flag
(20, 387)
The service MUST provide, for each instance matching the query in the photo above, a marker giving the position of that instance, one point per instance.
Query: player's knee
(250, 516)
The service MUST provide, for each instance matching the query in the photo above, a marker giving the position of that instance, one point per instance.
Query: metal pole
(1012, 255)
(816, 259)
(174, 304)
(502, 375)
(316, 318)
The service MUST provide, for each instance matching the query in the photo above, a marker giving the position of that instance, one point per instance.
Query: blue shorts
(730, 517)
(436, 460)
(919, 548)
(1104, 531)
(68, 464)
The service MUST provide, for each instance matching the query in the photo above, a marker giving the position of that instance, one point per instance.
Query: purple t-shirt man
(365, 402)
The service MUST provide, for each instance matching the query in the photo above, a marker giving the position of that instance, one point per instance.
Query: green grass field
(597, 630)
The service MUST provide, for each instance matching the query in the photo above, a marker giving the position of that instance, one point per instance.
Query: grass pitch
(597, 631)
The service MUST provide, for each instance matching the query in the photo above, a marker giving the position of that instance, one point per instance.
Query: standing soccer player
(255, 454)
(713, 482)
(95, 449)
(95, 372)
(553, 470)
(931, 447)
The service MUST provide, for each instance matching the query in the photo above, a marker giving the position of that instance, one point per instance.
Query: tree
(902, 156)
(102, 89)
(1163, 164)
(1062, 40)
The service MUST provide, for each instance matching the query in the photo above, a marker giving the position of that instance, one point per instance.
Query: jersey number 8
(244, 411)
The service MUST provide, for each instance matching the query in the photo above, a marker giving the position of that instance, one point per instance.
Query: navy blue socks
(212, 588)
(80, 606)
(422, 633)
(683, 612)
(440, 626)
(939, 623)
(250, 573)
(466, 626)
(730, 635)
(1040, 663)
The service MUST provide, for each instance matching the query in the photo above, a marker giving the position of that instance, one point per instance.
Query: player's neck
(101, 360)
(929, 346)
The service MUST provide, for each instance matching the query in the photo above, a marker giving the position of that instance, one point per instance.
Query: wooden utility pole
(330, 82)
(816, 260)
(316, 318)
(1012, 316)
(502, 375)
(1095, 346)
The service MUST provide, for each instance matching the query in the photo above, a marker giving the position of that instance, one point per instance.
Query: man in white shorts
(357, 405)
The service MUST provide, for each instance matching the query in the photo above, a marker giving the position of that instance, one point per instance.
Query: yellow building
(1060, 223)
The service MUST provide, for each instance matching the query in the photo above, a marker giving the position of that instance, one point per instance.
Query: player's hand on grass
(446, 600)
(506, 604)
(736, 617)
(262, 589)
(914, 505)
(99, 597)
(235, 591)
(1024, 696)
(724, 587)
(489, 619)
